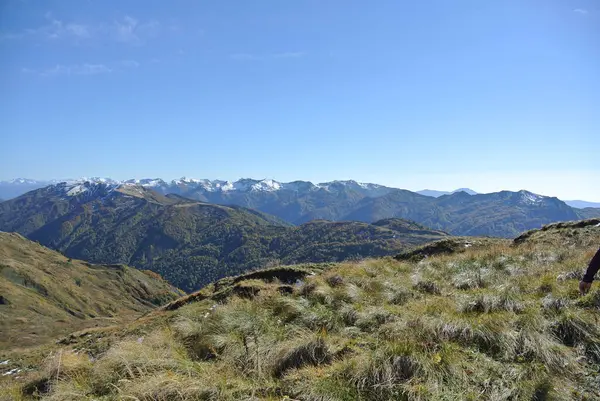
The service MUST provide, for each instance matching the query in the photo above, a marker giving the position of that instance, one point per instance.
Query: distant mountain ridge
(579, 204)
(189, 242)
(503, 214)
(437, 194)
(18, 186)
(241, 185)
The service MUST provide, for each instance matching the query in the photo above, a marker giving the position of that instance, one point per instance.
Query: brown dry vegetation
(503, 322)
(44, 294)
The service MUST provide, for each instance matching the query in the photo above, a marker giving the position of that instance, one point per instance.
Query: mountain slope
(189, 243)
(502, 214)
(588, 213)
(498, 322)
(43, 294)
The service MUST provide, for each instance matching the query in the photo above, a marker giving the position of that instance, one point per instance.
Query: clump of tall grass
(134, 358)
(491, 303)
(308, 350)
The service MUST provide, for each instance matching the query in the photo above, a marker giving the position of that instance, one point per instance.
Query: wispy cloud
(82, 69)
(581, 11)
(271, 56)
(131, 31)
(128, 64)
(53, 29)
(74, 69)
(78, 30)
(127, 30)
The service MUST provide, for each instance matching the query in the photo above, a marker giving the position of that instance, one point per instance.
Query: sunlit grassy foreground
(501, 323)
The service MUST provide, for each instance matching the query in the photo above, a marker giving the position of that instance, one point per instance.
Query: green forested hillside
(190, 243)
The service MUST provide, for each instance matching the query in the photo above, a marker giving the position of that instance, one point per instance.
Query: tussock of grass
(313, 352)
(67, 365)
(491, 303)
(499, 322)
(428, 287)
(167, 386)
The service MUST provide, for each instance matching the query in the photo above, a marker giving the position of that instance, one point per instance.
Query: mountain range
(503, 214)
(194, 187)
(189, 242)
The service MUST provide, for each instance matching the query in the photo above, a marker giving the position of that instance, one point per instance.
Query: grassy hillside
(44, 294)
(502, 321)
(190, 243)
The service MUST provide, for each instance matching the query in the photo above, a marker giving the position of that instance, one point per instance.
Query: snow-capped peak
(298, 186)
(186, 180)
(93, 180)
(367, 189)
(247, 184)
(266, 185)
(529, 198)
(87, 186)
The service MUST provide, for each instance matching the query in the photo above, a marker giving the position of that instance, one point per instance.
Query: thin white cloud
(127, 30)
(57, 29)
(129, 63)
(272, 56)
(131, 31)
(581, 11)
(289, 55)
(75, 69)
(82, 69)
(78, 30)
(243, 56)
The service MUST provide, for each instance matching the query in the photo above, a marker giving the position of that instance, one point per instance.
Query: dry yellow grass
(45, 295)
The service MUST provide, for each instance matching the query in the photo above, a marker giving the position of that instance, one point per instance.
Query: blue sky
(415, 94)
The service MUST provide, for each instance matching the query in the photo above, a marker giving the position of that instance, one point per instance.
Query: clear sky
(415, 94)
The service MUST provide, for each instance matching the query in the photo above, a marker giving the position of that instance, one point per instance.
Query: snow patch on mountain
(88, 187)
(297, 186)
(147, 182)
(266, 185)
(530, 198)
(76, 190)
